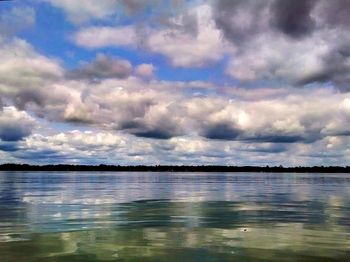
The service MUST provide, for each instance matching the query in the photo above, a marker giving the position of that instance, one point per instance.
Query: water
(71, 216)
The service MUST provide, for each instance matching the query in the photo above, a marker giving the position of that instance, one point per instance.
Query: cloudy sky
(238, 82)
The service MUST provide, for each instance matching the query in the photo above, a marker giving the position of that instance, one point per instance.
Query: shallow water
(71, 216)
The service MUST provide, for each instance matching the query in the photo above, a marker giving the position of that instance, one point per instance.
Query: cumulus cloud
(243, 20)
(14, 125)
(183, 47)
(116, 148)
(75, 140)
(38, 84)
(85, 147)
(133, 105)
(163, 109)
(193, 48)
(103, 67)
(157, 124)
(299, 42)
(23, 66)
(336, 65)
(145, 70)
(239, 20)
(286, 61)
(293, 118)
(32, 81)
(141, 107)
(97, 37)
(112, 148)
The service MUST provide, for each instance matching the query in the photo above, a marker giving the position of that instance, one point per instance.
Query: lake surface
(72, 216)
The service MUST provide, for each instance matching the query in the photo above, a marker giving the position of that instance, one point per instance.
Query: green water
(174, 217)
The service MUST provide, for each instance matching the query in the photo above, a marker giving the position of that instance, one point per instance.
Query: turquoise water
(71, 216)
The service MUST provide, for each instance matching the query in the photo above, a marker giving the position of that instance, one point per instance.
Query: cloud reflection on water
(148, 215)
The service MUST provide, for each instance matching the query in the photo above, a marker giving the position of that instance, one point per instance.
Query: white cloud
(164, 109)
(20, 62)
(293, 61)
(190, 49)
(261, 43)
(85, 10)
(98, 37)
(76, 140)
(145, 70)
(195, 48)
(85, 147)
(31, 81)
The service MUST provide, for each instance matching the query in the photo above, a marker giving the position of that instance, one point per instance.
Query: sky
(196, 82)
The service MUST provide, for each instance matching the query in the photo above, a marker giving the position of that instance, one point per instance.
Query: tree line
(176, 168)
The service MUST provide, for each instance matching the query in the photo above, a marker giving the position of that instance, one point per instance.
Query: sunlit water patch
(174, 217)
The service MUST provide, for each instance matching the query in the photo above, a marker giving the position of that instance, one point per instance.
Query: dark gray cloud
(239, 19)
(264, 147)
(243, 19)
(162, 129)
(223, 131)
(134, 6)
(299, 42)
(13, 133)
(334, 13)
(276, 138)
(103, 67)
(155, 133)
(293, 18)
(14, 124)
(9, 146)
(336, 69)
(45, 156)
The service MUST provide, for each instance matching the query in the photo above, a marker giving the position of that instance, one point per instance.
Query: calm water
(168, 217)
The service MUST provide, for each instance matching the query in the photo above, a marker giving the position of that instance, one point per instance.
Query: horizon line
(173, 168)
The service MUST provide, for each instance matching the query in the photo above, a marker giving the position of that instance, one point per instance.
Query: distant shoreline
(166, 168)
